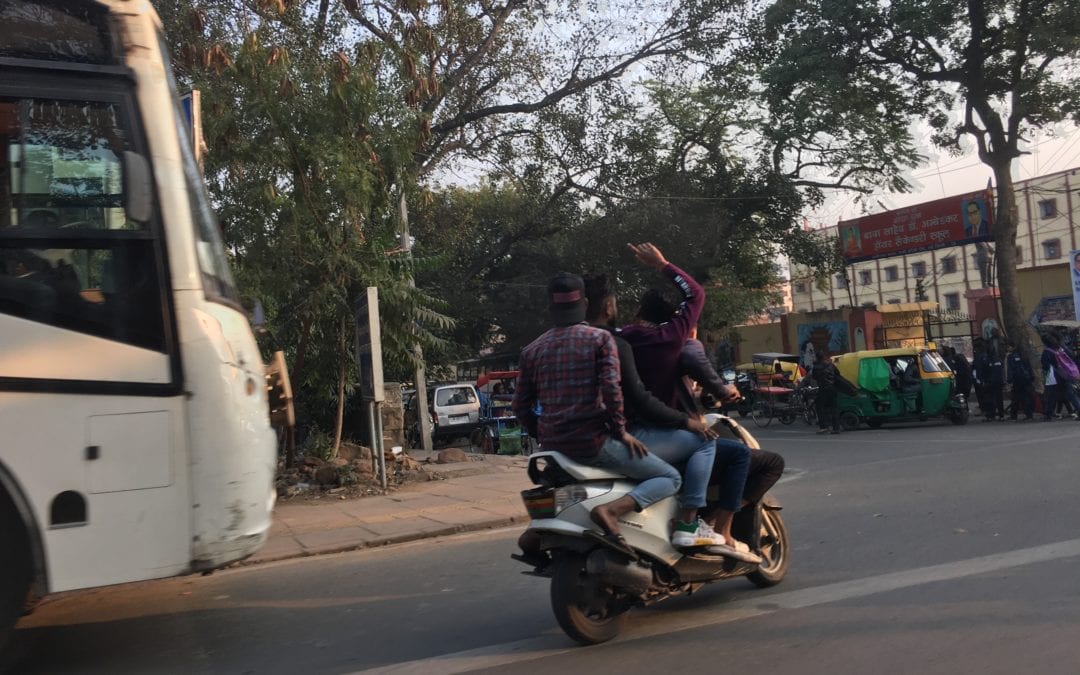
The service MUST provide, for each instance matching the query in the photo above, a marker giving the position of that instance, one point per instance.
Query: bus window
(69, 255)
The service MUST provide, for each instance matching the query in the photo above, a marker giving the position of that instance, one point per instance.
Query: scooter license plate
(539, 502)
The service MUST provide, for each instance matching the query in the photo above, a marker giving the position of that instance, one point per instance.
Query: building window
(892, 273)
(918, 270)
(1052, 249)
(1048, 208)
(948, 264)
(866, 277)
(800, 287)
(1019, 254)
(894, 301)
(952, 302)
(841, 281)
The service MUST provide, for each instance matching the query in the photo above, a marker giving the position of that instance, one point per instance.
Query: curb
(382, 542)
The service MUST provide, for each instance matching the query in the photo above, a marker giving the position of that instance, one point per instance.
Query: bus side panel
(127, 532)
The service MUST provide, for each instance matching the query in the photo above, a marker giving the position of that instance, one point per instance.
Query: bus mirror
(137, 188)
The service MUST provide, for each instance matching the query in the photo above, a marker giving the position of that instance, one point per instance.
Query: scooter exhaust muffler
(627, 576)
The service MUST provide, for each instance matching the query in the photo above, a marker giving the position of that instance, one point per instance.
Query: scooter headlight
(565, 497)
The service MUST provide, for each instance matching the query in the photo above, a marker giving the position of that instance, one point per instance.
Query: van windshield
(455, 396)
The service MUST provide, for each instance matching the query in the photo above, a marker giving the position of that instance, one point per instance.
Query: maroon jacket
(657, 348)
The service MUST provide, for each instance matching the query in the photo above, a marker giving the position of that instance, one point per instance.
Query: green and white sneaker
(700, 533)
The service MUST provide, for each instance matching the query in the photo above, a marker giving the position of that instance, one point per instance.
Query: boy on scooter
(657, 337)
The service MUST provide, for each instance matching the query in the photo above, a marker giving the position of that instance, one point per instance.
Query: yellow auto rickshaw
(906, 383)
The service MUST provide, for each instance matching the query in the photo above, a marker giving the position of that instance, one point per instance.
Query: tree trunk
(1013, 313)
(338, 423)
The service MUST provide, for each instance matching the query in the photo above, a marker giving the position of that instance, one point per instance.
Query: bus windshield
(210, 248)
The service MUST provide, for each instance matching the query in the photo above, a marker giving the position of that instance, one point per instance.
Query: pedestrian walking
(1060, 375)
(824, 376)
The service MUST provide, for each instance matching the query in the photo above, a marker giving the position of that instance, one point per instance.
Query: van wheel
(585, 609)
(849, 420)
(15, 580)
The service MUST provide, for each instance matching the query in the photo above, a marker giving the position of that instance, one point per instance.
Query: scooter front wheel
(586, 610)
(775, 554)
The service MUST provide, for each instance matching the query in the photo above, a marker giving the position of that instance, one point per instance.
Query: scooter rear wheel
(586, 610)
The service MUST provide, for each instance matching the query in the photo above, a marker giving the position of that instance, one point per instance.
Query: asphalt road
(923, 549)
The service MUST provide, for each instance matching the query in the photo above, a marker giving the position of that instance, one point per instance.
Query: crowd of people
(997, 365)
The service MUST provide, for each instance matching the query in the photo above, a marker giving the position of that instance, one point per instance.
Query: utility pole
(420, 376)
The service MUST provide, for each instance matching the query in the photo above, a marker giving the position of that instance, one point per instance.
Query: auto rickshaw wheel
(875, 422)
(849, 421)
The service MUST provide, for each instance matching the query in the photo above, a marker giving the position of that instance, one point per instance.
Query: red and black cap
(566, 294)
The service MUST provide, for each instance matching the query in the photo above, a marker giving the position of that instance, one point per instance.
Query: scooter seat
(581, 472)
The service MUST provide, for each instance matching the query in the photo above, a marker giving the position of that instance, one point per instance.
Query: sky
(944, 176)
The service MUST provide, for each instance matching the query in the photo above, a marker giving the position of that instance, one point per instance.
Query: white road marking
(552, 644)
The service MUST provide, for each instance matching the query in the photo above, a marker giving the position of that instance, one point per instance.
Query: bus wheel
(15, 581)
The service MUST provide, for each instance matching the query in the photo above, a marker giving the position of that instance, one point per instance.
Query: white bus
(135, 440)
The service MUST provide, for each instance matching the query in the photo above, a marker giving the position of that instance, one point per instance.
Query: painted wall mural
(830, 337)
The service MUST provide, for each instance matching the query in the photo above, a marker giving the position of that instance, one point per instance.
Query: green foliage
(307, 157)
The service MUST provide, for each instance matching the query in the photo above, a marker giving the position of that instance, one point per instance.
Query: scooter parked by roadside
(594, 584)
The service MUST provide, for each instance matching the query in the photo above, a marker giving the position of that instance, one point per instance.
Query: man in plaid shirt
(572, 371)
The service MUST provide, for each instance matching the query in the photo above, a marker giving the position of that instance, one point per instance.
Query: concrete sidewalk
(471, 497)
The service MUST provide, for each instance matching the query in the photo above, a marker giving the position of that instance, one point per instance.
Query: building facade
(1049, 209)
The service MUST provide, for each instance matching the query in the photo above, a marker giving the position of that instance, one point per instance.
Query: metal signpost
(369, 363)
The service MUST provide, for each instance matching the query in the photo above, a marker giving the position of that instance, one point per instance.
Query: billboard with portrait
(963, 219)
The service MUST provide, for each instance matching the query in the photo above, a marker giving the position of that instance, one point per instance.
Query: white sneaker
(736, 549)
(704, 535)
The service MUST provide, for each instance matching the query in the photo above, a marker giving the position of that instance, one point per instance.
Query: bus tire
(15, 560)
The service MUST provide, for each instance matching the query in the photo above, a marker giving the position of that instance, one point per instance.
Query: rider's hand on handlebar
(695, 425)
(637, 448)
(731, 394)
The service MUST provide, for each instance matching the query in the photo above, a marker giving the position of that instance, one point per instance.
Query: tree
(989, 71)
(304, 166)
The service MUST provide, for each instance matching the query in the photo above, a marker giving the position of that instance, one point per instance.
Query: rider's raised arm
(693, 300)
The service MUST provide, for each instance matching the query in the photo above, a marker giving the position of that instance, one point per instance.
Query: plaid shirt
(573, 373)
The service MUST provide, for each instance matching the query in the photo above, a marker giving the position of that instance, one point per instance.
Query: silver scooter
(593, 583)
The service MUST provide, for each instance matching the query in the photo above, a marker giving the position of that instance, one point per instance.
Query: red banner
(963, 219)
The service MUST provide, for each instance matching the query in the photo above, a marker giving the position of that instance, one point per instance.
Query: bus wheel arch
(22, 549)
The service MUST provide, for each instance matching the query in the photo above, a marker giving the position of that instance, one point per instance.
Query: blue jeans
(659, 479)
(682, 447)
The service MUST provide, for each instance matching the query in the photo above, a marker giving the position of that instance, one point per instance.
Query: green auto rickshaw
(906, 383)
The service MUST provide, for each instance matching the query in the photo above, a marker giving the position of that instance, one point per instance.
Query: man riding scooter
(572, 371)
